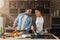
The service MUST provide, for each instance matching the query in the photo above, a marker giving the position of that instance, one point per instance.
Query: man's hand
(14, 27)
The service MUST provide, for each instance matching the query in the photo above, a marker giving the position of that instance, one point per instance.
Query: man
(23, 21)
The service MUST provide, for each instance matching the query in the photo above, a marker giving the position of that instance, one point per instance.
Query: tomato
(3, 37)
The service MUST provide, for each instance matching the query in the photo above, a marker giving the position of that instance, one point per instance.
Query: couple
(24, 21)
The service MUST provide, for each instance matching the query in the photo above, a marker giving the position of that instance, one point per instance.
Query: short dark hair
(39, 8)
(27, 9)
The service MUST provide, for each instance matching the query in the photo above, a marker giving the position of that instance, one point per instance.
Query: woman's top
(39, 24)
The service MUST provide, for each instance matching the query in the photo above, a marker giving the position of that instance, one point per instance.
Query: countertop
(11, 38)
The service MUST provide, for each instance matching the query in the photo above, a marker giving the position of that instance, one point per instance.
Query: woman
(39, 22)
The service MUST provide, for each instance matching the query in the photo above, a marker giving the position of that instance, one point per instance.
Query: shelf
(55, 24)
(55, 16)
(13, 8)
(46, 14)
(14, 14)
(46, 7)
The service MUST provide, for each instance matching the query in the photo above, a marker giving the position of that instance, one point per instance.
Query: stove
(44, 37)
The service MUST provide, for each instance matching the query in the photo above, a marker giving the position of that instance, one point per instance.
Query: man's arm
(16, 21)
(30, 24)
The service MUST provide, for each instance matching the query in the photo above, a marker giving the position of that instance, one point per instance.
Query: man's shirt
(21, 22)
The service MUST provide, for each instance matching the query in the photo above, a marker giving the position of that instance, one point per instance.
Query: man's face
(29, 11)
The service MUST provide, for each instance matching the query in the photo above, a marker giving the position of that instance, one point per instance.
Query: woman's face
(37, 13)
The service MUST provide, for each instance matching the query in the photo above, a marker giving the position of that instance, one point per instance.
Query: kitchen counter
(50, 37)
(45, 38)
(26, 39)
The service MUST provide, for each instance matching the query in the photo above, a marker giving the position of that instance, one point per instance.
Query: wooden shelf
(46, 7)
(55, 16)
(32, 4)
(46, 14)
(14, 14)
(55, 24)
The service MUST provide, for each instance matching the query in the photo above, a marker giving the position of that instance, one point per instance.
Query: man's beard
(28, 14)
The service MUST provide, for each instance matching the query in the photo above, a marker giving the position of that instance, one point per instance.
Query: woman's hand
(45, 31)
(32, 28)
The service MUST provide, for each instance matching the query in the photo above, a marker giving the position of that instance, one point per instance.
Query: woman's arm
(32, 28)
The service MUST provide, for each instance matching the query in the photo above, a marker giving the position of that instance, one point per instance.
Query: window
(1, 3)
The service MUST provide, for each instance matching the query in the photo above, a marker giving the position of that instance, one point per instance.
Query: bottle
(57, 12)
(1, 24)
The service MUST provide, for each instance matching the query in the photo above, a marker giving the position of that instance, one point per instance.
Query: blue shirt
(28, 21)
